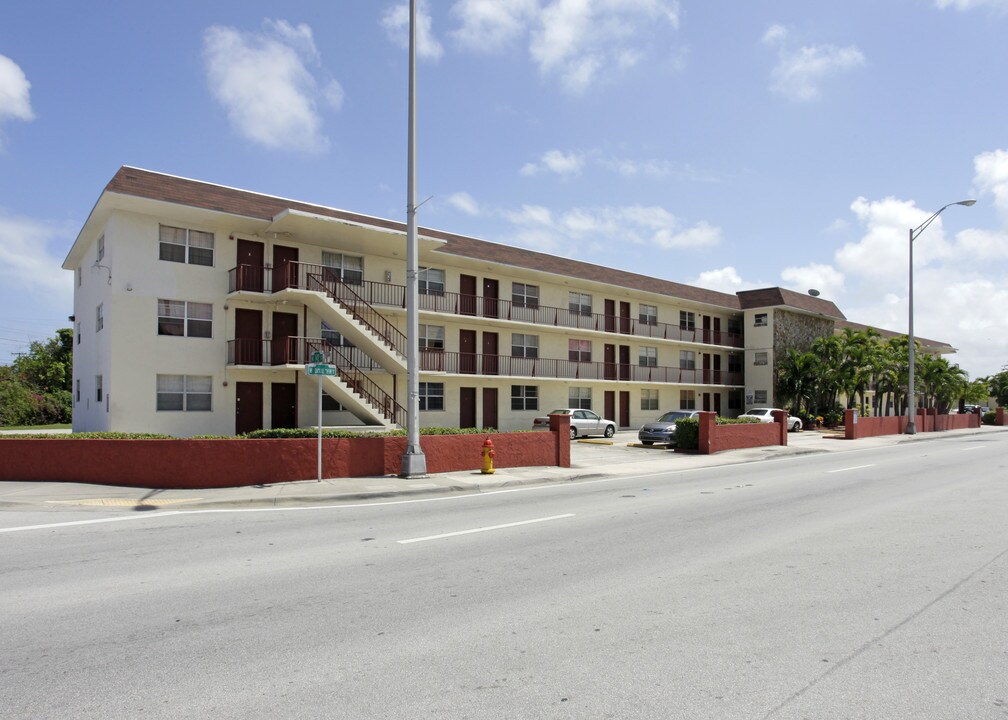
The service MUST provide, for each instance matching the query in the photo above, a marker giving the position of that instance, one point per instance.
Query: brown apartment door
(490, 354)
(489, 407)
(706, 329)
(284, 328)
(467, 407)
(706, 366)
(718, 380)
(610, 315)
(609, 362)
(467, 295)
(624, 408)
(491, 290)
(624, 362)
(467, 351)
(624, 317)
(609, 405)
(706, 402)
(717, 403)
(283, 256)
(248, 407)
(283, 405)
(248, 337)
(717, 332)
(250, 265)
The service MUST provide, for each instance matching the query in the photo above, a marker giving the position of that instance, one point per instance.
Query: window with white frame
(687, 400)
(183, 245)
(687, 320)
(99, 317)
(648, 357)
(98, 388)
(760, 397)
(579, 397)
(348, 268)
(524, 345)
(101, 248)
(431, 396)
(579, 350)
(759, 358)
(580, 303)
(648, 314)
(649, 399)
(183, 318)
(687, 360)
(760, 320)
(524, 397)
(430, 337)
(431, 281)
(524, 295)
(187, 393)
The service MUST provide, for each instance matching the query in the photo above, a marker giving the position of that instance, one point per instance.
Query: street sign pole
(320, 429)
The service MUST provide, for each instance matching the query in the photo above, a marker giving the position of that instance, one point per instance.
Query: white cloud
(489, 25)
(577, 41)
(556, 162)
(395, 20)
(464, 202)
(14, 93)
(824, 278)
(724, 279)
(964, 5)
(27, 262)
(991, 176)
(263, 82)
(800, 72)
(602, 227)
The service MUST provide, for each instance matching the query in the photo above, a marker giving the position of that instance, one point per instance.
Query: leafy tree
(998, 385)
(36, 388)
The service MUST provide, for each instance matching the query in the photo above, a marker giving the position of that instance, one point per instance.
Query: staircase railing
(324, 279)
(355, 378)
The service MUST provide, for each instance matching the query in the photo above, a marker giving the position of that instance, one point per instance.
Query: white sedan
(765, 415)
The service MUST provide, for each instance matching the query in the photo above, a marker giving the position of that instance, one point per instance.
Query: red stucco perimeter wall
(896, 424)
(715, 438)
(194, 464)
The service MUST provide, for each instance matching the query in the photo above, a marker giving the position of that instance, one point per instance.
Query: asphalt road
(865, 584)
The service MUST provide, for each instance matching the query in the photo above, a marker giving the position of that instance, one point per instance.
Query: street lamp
(911, 428)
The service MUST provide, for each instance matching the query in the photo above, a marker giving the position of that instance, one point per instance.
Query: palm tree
(796, 379)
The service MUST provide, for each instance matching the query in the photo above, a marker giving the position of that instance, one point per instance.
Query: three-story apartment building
(197, 306)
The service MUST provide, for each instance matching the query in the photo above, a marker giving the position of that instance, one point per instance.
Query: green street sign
(317, 357)
(320, 369)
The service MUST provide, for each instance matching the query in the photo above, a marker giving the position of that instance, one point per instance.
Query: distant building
(197, 307)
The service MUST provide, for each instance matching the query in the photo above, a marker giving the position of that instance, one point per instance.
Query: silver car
(662, 430)
(583, 422)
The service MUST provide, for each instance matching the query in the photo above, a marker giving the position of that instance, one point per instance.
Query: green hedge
(88, 436)
(687, 430)
(989, 418)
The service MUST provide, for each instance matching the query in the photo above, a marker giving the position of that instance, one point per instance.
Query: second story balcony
(246, 278)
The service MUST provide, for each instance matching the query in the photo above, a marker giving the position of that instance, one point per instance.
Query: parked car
(662, 430)
(972, 408)
(765, 415)
(583, 423)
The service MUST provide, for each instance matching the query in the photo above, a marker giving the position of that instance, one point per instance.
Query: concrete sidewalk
(589, 459)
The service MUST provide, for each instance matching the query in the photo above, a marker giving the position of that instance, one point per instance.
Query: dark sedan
(662, 430)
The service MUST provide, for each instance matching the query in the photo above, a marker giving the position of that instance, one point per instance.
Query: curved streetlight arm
(923, 226)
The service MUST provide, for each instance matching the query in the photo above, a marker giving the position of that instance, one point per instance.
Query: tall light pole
(414, 463)
(911, 428)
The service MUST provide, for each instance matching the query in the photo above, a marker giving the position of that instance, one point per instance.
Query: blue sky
(726, 144)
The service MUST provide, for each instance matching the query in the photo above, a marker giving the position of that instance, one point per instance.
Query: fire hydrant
(488, 456)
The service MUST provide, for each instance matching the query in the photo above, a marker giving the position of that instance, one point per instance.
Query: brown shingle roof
(773, 297)
(194, 193)
(937, 345)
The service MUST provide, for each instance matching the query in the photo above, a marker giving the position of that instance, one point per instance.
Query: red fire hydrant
(488, 456)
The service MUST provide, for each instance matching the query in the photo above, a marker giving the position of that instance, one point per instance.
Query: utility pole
(414, 463)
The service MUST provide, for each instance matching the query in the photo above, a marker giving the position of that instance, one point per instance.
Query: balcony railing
(251, 279)
(509, 366)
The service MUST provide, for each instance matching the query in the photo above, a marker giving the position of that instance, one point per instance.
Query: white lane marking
(972, 447)
(856, 467)
(95, 521)
(483, 529)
